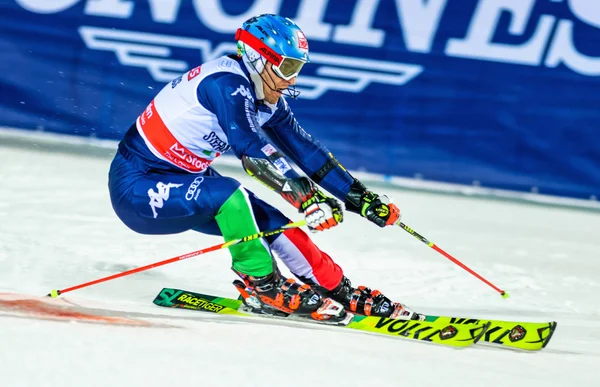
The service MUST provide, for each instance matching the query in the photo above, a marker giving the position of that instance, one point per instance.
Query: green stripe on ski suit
(236, 220)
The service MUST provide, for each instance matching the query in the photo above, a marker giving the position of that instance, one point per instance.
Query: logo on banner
(337, 72)
(515, 32)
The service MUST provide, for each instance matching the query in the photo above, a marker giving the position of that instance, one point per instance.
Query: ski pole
(262, 234)
(456, 261)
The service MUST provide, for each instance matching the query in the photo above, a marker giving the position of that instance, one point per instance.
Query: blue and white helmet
(274, 39)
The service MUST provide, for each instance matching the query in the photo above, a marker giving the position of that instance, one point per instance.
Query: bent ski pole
(56, 293)
(456, 261)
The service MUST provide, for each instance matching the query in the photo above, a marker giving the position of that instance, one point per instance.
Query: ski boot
(281, 297)
(364, 301)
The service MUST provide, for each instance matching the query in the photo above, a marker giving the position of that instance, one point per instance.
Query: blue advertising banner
(503, 93)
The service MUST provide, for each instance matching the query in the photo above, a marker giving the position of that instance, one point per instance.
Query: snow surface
(58, 229)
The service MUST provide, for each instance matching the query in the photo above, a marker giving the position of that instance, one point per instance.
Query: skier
(161, 181)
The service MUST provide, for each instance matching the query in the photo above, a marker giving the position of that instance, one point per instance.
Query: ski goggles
(284, 66)
(288, 68)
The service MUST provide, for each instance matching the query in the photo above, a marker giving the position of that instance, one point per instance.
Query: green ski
(439, 331)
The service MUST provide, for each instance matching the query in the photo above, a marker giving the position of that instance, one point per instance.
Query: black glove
(321, 212)
(378, 209)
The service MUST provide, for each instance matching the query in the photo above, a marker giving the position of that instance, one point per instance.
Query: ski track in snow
(58, 230)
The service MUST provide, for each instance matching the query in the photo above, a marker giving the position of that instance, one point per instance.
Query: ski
(530, 336)
(440, 331)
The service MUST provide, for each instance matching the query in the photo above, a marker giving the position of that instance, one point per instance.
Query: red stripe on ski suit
(162, 140)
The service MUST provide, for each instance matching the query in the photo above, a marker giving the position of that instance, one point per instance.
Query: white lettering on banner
(310, 16)
(478, 43)
(545, 39)
(420, 22)
(165, 11)
(419, 19)
(562, 51)
(212, 15)
(45, 6)
(360, 30)
(122, 9)
(588, 11)
(157, 199)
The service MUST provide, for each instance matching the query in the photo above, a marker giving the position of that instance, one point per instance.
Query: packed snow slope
(58, 229)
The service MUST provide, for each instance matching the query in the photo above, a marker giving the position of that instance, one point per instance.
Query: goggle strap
(259, 46)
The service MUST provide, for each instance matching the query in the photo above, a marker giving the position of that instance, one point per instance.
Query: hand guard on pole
(321, 212)
(378, 209)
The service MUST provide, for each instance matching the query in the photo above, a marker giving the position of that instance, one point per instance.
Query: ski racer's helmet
(275, 39)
